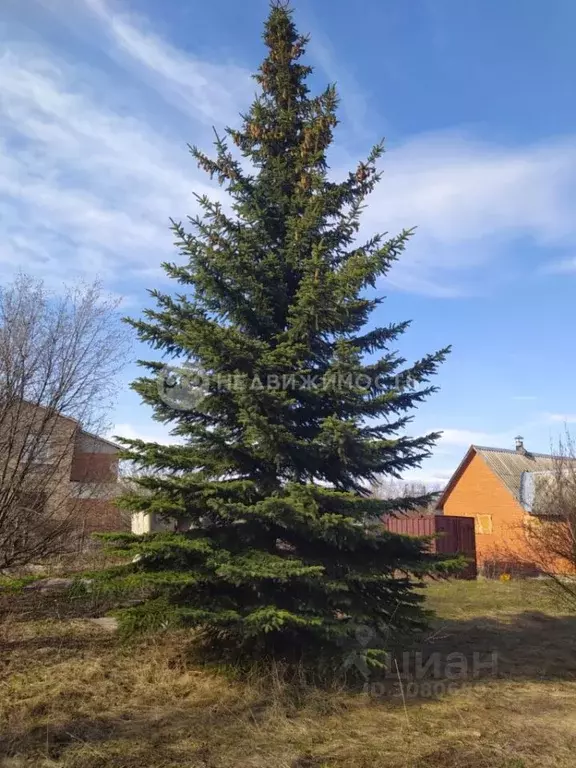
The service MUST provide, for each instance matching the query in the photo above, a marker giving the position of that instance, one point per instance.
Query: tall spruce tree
(301, 406)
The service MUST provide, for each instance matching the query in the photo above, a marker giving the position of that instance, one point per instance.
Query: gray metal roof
(509, 465)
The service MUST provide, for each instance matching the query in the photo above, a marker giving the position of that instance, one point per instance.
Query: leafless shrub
(59, 359)
(550, 529)
(409, 498)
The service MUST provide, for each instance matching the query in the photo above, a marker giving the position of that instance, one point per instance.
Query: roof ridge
(516, 453)
(94, 436)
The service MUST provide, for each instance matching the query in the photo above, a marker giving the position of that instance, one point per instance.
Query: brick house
(65, 471)
(95, 484)
(495, 486)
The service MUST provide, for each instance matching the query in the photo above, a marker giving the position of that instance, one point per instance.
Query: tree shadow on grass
(530, 646)
(134, 739)
(31, 605)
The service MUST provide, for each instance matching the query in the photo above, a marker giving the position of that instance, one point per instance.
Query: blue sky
(98, 99)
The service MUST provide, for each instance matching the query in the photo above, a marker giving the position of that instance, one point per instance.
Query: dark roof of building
(508, 464)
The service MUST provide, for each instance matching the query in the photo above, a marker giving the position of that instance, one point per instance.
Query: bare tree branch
(413, 498)
(59, 361)
(550, 529)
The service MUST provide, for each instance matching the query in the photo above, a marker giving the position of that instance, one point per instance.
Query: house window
(483, 524)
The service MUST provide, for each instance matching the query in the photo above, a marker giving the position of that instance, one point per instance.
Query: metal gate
(454, 535)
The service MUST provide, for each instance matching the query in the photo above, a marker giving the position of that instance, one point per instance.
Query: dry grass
(72, 697)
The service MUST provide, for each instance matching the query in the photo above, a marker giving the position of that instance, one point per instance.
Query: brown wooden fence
(453, 535)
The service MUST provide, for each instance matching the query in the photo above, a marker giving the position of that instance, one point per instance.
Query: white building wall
(148, 522)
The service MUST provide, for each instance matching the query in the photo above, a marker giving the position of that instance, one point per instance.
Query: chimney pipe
(520, 444)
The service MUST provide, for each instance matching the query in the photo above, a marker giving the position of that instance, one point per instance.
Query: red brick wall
(94, 467)
(99, 516)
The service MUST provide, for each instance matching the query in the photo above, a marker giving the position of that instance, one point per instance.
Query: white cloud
(467, 198)
(83, 189)
(450, 450)
(470, 200)
(535, 430)
(467, 437)
(561, 418)
(151, 433)
(216, 93)
(353, 99)
(86, 187)
(487, 188)
(562, 266)
(432, 478)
